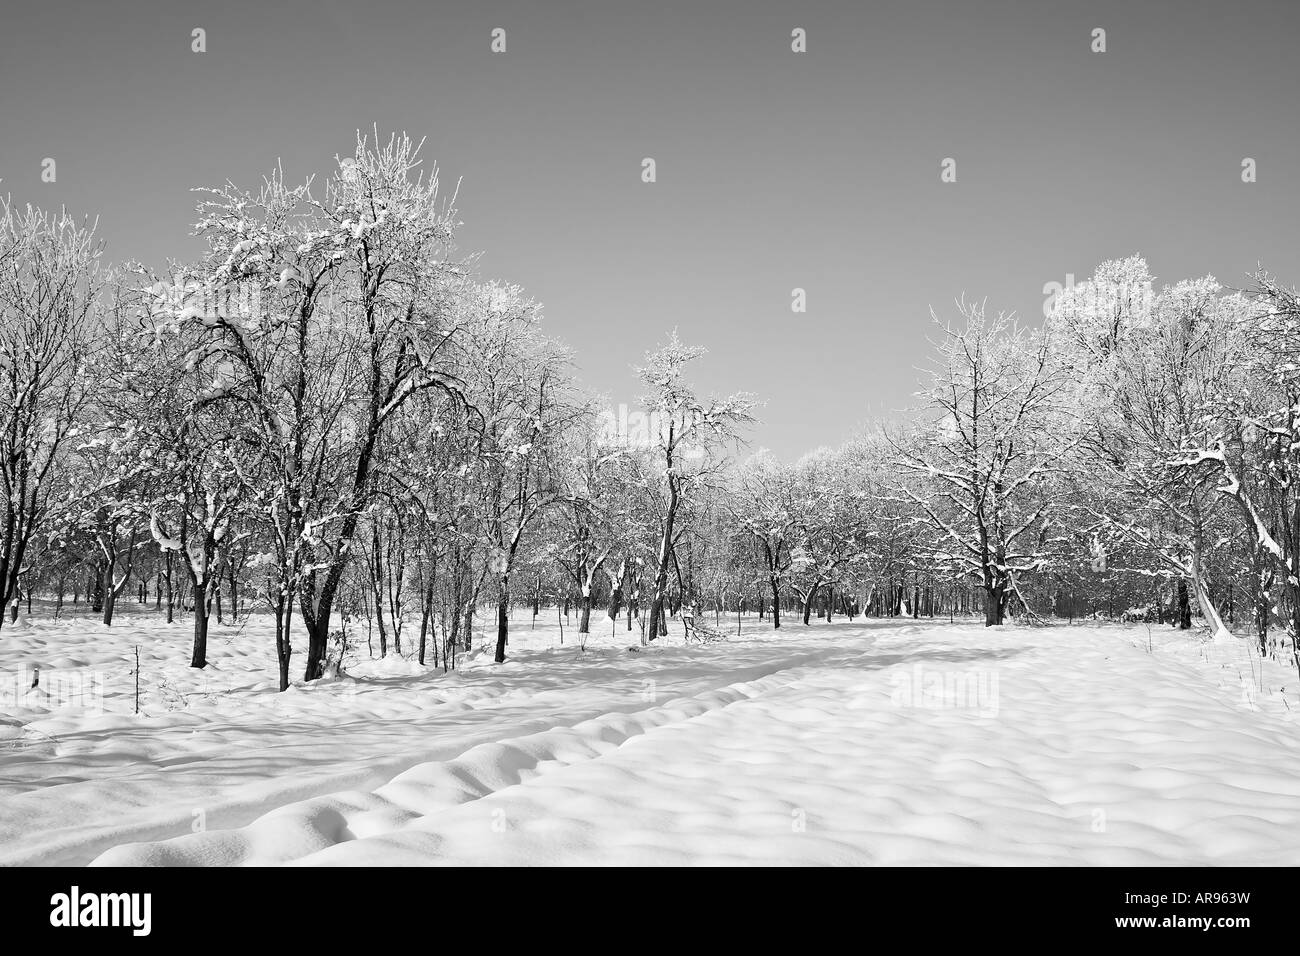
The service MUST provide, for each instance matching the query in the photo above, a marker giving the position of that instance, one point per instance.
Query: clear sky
(775, 169)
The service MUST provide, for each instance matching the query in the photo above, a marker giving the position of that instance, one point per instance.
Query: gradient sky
(776, 170)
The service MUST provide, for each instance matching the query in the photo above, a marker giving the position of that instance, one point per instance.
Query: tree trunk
(283, 646)
(584, 624)
(200, 656)
(171, 597)
(234, 594)
(808, 602)
(97, 590)
(1295, 622)
(1184, 607)
(451, 640)
(426, 612)
(1261, 586)
(503, 618)
(109, 595)
(657, 622)
(377, 586)
(318, 632)
(995, 604)
(1209, 612)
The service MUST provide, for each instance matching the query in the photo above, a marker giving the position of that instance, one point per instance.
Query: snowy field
(863, 743)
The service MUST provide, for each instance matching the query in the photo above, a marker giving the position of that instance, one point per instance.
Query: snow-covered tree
(688, 438)
(1147, 378)
(352, 313)
(993, 441)
(763, 508)
(49, 282)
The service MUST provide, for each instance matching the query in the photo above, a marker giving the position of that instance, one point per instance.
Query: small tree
(687, 438)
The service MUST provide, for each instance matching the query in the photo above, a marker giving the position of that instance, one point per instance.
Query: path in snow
(220, 747)
(904, 745)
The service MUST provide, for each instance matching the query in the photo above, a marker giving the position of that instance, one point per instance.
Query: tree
(354, 311)
(520, 393)
(764, 511)
(834, 510)
(997, 433)
(593, 514)
(196, 455)
(687, 436)
(1150, 366)
(1252, 446)
(49, 280)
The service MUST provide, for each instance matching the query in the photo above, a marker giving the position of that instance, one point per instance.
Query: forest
(334, 419)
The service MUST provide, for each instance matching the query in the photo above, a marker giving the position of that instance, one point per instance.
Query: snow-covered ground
(875, 742)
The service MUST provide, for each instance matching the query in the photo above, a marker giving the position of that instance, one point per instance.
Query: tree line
(332, 417)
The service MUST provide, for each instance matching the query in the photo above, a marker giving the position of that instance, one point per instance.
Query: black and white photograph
(663, 434)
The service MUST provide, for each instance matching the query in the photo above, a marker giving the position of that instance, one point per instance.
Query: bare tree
(1147, 384)
(49, 280)
(354, 299)
(687, 436)
(995, 439)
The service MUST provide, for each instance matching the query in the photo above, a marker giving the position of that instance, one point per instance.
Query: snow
(867, 743)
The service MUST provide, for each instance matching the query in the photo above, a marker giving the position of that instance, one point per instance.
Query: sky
(775, 170)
